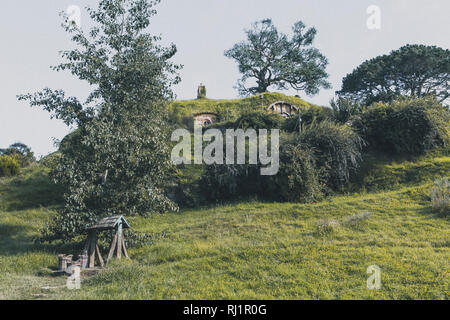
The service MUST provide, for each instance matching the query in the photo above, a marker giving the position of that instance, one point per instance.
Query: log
(124, 248)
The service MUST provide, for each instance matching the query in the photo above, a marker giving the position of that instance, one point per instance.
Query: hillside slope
(249, 250)
(230, 109)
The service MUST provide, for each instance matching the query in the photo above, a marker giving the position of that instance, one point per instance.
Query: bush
(357, 220)
(9, 166)
(230, 182)
(308, 116)
(440, 196)
(326, 227)
(259, 120)
(344, 110)
(297, 179)
(51, 160)
(405, 126)
(21, 152)
(337, 151)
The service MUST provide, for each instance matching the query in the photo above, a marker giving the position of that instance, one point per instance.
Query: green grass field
(249, 250)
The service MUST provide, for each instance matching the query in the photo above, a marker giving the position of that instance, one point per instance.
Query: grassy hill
(250, 250)
(230, 109)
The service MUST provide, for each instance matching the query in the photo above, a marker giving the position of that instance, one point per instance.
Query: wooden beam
(92, 250)
(86, 244)
(100, 259)
(124, 248)
(111, 248)
(119, 241)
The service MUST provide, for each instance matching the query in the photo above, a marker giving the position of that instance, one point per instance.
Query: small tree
(21, 152)
(412, 70)
(118, 160)
(272, 59)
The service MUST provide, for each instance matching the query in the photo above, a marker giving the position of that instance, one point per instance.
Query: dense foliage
(405, 126)
(337, 151)
(9, 166)
(345, 110)
(297, 179)
(259, 120)
(21, 152)
(412, 70)
(272, 59)
(231, 182)
(307, 117)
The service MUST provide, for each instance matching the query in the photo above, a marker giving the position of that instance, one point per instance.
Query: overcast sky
(31, 37)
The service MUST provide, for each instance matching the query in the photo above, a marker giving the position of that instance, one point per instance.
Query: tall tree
(272, 59)
(118, 160)
(412, 70)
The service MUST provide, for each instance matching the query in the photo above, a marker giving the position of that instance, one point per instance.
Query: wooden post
(119, 241)
(111, 248)
(92, 246)
(124, 248)
(100, 259)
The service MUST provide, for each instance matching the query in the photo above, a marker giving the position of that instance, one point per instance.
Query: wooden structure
(284, 108)
(114, 223)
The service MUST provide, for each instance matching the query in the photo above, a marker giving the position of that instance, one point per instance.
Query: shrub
(357, 220)
(405, 126)
(308, 116)
(9, 166)
(337, 151)
(326, 227)
(21, 152)
(297, 179)
(440, 196)
(344, 110)
(51, 160)
(226, 182)
(259, 120)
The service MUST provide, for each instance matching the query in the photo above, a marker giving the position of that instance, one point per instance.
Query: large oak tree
(272, 59)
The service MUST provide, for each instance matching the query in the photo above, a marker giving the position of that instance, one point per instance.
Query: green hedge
(405, 126)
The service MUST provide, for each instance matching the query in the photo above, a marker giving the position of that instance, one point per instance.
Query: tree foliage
(272, 59)
(337, 151)
(117, 162)
(21, 152)
(412, 70)
(405, 126)
(9, 166)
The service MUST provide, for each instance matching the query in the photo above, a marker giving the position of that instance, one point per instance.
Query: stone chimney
(201, 91)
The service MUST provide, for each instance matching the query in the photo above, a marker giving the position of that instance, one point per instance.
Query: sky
(31, 37)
